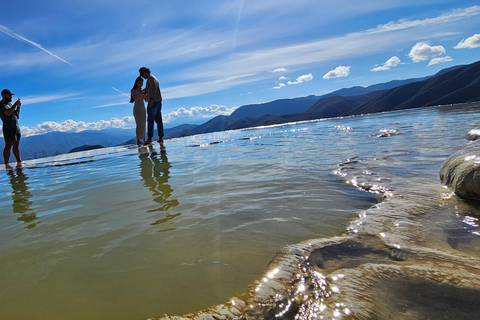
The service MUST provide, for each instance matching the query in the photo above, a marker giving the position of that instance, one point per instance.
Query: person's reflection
(155, 172)
(21, 197)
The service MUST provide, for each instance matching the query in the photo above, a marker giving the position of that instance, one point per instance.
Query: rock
(461, 171)
(473, 134)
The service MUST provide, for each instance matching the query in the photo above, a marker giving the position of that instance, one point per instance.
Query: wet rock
(461, 171)
(473, 134)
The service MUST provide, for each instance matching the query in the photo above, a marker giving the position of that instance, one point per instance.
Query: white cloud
(423, 51)
(338, 72)
(469, 43)
(279, 86)
(78, 126)
(280, 70)
(392, 62)
(282, 78)
(301, 79)
(198, 112)
(439, 60)
(123, 123)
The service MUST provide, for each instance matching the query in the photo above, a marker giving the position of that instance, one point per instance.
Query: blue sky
(73, 63)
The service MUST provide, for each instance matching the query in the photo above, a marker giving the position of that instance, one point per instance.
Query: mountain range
(454, 85)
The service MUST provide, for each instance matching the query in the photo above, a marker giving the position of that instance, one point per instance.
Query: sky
(73, 63)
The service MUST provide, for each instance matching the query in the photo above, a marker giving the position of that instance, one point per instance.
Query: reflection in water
(155, 172)
(20, 196)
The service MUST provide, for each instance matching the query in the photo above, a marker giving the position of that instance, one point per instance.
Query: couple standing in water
(153, 97)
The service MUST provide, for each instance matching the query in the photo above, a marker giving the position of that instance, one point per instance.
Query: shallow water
(132, 233)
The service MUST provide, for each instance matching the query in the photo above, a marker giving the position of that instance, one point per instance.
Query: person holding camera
(11, 130)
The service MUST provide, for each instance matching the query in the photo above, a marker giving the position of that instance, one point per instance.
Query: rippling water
(132, 233)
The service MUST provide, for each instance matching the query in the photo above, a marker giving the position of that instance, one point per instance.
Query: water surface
(132, 233)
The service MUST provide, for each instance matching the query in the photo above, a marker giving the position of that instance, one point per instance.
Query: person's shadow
(21, 197)
(155, 172)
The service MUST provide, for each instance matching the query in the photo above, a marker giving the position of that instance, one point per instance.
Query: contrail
(120, 91)
(14, 35)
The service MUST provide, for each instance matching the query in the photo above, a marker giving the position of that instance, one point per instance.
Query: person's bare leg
(16, 152)
(6, 153)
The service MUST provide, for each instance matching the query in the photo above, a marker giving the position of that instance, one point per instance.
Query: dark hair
(134, 86)
(143, 69)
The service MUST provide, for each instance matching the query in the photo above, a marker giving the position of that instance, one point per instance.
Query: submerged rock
(461, 171)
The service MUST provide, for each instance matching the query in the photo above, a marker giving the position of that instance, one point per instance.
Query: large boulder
(461, 171)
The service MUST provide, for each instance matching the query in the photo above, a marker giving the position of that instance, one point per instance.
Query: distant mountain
(298, 105)
(55, 143)
(277, 107)
(326, 107)
(357, 91)
(172, 132)
(457, 85)
(219, 123)
(86, 148)
(335, 106)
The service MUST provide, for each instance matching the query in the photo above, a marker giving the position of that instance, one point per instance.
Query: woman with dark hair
(137, 96)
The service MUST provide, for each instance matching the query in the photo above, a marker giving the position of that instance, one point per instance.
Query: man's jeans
(154, 114)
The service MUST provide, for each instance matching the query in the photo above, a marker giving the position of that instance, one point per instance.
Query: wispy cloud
(16, 36)
(440, 60)
(280, 70)
(390, 63)
(469, 43)
(249, 66)
(279, 86)
(29, 100)
(451, 16)
(338, 72)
